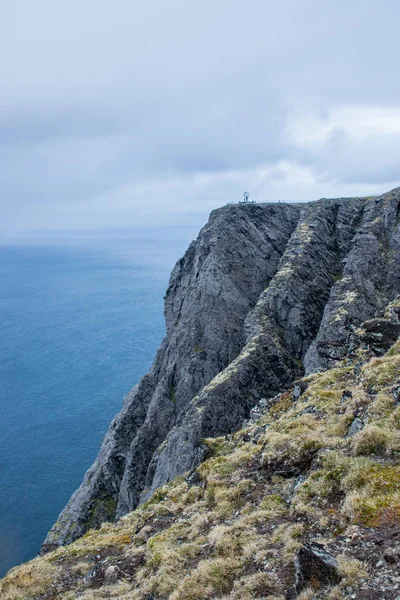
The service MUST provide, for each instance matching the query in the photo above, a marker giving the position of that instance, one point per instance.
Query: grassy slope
(234, 530)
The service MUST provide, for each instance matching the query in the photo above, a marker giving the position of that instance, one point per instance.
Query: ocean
(80, 321)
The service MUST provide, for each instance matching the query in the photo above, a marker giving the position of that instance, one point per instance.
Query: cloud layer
(127, 113)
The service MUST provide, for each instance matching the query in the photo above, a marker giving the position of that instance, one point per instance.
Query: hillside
(303, 501)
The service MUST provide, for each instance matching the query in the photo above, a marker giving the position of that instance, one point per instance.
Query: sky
(122, 113)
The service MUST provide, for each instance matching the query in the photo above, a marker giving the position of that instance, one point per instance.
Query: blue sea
(80, 321)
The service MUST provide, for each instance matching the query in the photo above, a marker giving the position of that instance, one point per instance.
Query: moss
(103, 509)
(376, 511)
(255, 585)
(374, 493)
(351, 570)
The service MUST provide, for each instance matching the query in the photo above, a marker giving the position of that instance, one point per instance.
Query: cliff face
(265, 293)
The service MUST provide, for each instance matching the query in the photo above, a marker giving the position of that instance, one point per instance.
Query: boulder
(314, 564)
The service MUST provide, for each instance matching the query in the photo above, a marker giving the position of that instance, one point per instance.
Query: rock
(355, 296)
(396, 394)
(111, 575)
(347, 394)
(288, 496)
(194, 478)
(256, 434)
(291, 594)
(392, 555)
(357, 371)
(379, 335)
(254, 301)
(211, 291)
(310, 410)
(261, 408)
(296, 393)
(356, 426)
(314, 564)
(255, 413)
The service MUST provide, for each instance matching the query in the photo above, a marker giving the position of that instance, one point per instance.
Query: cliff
(303, 502)
(266, 294)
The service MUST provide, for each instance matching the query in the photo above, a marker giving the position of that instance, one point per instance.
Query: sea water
(80, 321)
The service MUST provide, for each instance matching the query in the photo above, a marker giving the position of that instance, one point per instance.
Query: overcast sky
(120, 113)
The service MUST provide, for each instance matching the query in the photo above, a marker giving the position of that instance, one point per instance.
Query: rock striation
(266, 294)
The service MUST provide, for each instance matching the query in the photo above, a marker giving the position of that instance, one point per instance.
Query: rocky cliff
(266, 293)
(302, 503)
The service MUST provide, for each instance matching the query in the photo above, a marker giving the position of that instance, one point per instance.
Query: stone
(310, 410)
(256, 434)
(392, 555)
(291, 594)
(111, 574)
(396, 394)
(379, 334)
(347, 394)
(255, 413)
(356, 426)
(314, 563)
(296, 393)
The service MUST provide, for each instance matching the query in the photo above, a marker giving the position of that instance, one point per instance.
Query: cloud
(353, 144)
(125, 113)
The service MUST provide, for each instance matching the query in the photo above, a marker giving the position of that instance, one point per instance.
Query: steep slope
(304, 502)
(211, 290)
(265, 292)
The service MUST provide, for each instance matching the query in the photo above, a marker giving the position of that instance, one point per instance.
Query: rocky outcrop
(313, 564)
(265, 293)
(210, 293)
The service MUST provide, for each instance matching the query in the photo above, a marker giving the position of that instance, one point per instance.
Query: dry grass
(351, 570)
(381, 372)
(307, 594)
(29, 580)
(251, 587)
(210, 579)
(373, 440)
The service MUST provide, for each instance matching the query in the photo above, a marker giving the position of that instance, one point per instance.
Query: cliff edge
(266, 294)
